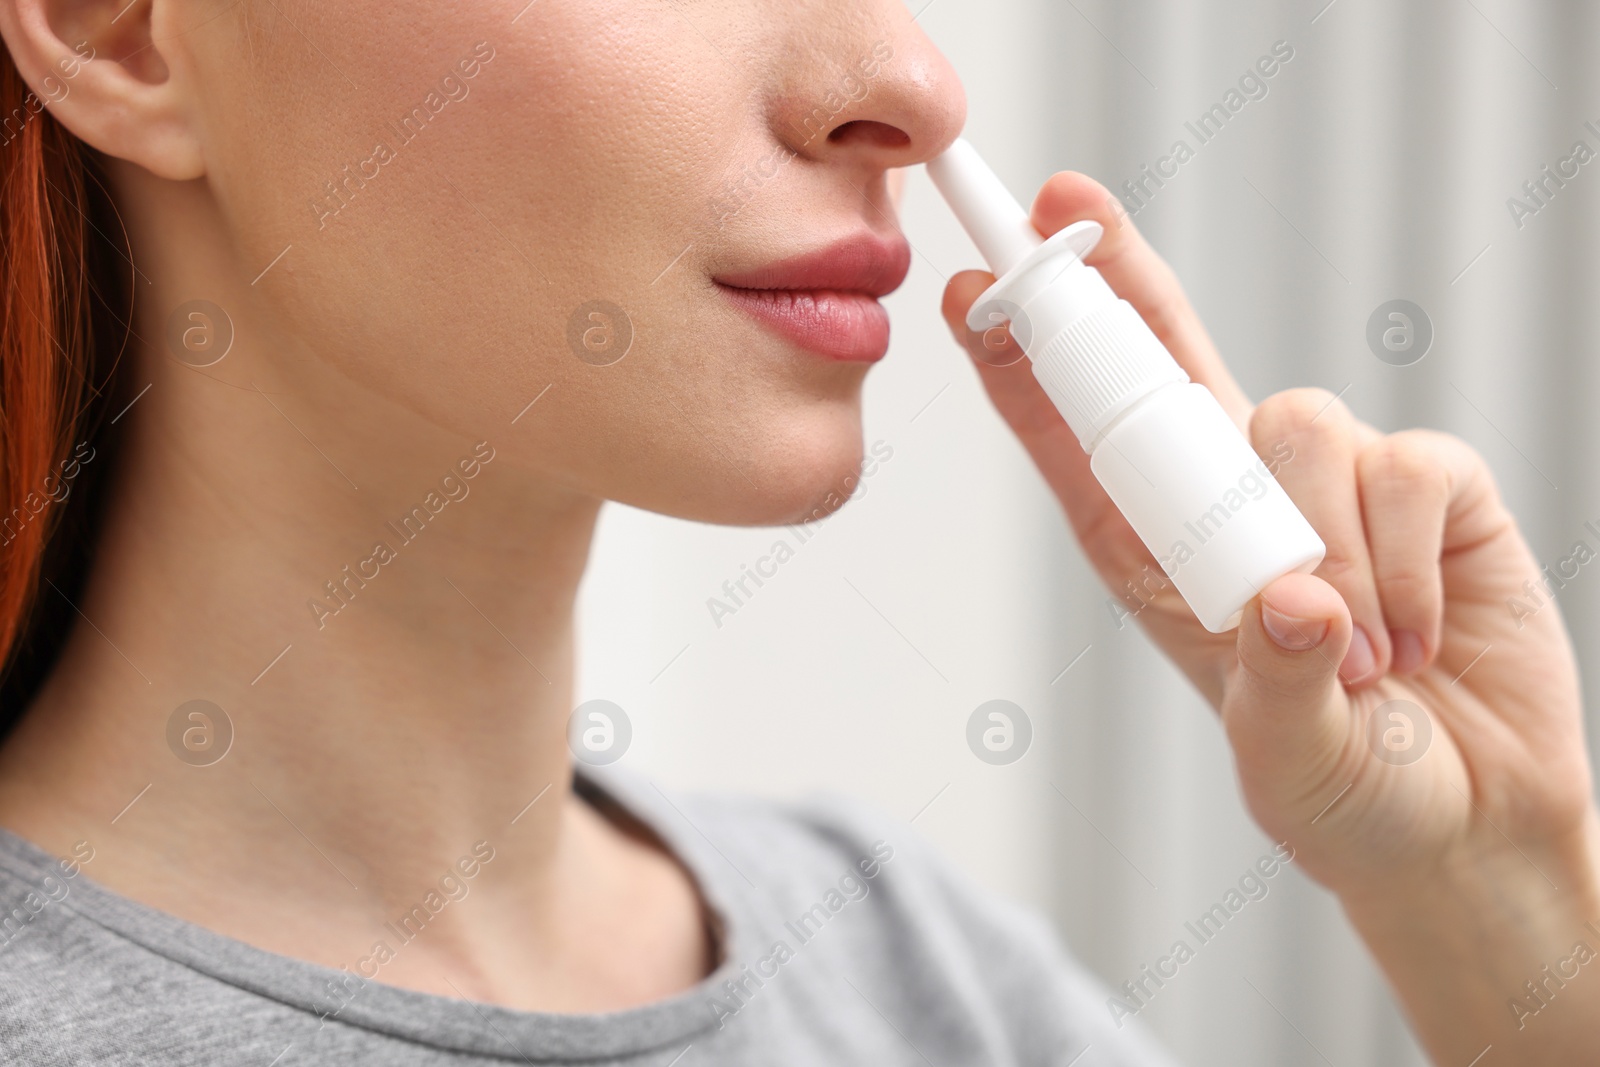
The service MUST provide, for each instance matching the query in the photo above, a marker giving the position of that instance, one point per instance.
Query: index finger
(1141, 277)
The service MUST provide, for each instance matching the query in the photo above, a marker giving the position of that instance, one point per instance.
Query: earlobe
(99, 69)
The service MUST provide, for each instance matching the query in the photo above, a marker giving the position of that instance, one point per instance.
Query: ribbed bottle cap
(1101, 365)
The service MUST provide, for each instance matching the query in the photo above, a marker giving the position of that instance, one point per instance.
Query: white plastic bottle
(1188, 482)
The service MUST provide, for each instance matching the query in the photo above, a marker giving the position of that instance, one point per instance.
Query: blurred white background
(1378, 166)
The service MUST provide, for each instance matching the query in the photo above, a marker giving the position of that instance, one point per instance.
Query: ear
(100, 69)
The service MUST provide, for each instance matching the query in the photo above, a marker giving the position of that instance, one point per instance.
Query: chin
(813, 468)
(805, 472)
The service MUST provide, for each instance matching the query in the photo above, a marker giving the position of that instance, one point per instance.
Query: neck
(382, 608)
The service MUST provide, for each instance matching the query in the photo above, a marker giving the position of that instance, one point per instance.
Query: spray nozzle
(984, 206)
(1025, 265)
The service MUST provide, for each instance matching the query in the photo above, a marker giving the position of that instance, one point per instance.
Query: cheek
(446, 272)
(731, 442)
(438, 250)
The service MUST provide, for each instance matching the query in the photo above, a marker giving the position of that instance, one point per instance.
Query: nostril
(866, 131)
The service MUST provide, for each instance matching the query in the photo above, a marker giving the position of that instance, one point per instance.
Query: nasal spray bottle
(1170, 458)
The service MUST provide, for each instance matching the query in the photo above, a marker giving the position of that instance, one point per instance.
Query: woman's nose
(888, 99)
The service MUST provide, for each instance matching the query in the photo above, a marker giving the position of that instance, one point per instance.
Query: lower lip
(850, 327)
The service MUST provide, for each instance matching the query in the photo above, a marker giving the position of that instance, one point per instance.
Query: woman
(410, 296)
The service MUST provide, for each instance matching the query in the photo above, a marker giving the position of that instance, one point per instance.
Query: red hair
(59, 287)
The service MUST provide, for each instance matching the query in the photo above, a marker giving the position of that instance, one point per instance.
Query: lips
(827, 301)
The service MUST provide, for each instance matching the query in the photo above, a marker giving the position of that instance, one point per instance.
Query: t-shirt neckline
(426, 1018)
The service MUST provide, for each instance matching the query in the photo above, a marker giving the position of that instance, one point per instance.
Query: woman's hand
(1397, 718)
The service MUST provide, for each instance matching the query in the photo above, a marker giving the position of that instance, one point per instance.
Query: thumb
(1285, 709)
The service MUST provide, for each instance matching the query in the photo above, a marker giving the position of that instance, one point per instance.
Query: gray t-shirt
(842, 940)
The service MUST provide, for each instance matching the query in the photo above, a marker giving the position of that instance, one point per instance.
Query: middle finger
(1312, 440)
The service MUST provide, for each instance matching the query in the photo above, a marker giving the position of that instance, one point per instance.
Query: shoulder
(74, 991)
(821, 834)
(800, 850)
(54, 969)
(798, 847)
(897, 916)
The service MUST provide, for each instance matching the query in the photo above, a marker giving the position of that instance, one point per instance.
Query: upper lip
(863, 263)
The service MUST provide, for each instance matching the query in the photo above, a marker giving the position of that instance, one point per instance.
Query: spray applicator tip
(983, 205)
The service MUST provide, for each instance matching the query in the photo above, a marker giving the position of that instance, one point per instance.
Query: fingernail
(1290, 633)
(1360, 660)
(1408, 650)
